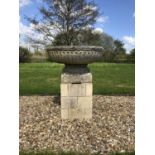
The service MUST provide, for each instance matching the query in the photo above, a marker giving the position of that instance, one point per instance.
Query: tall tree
(67, 17)
(119, 47)
(119, 51)
(85, 37)
(131, 56)
(88, 36)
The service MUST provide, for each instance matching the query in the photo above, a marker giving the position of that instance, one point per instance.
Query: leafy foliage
(84, 37)
(119, 52)
(131, 56)
(65, 17)
(24, 55)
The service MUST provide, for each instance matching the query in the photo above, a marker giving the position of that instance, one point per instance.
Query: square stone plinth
(76, 96)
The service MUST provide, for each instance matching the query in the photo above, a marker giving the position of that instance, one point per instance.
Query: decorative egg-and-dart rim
(75, 48)
(75, 54)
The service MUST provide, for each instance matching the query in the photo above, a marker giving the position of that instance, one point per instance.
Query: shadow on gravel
(56, 100)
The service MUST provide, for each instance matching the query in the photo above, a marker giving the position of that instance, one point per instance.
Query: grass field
(108, 78)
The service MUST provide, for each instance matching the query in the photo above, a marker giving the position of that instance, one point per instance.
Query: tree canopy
(65, 17)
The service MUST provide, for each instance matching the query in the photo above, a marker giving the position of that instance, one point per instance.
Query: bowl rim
(74, 48)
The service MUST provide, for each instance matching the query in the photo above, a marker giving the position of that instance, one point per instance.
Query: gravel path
(111, 129)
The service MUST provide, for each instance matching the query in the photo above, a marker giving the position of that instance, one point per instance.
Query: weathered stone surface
(81, 114)
(64, 113)
(76, 92)
(76, 69)
(87, 113)
(68, 102)
(76, 107)
(75, 54)
(85, 102)
(64, 89)
(76, 78)
(73, 89)
(89, 89)
(74, 114)
(76, 89)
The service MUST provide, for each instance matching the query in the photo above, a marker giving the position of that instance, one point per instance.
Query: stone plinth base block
(76, 92)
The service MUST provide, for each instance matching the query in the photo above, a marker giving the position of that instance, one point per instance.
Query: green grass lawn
(108, 78)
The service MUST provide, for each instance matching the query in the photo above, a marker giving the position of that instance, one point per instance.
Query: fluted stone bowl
(75, 54)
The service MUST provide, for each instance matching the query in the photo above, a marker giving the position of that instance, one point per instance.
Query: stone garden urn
(76, 79)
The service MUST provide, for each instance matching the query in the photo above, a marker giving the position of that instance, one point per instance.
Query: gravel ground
(110, 130)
